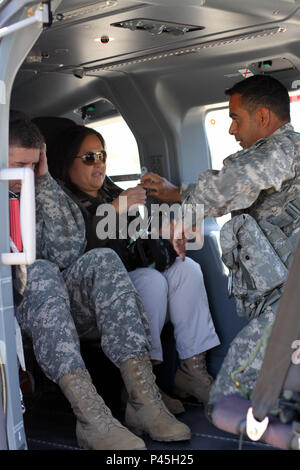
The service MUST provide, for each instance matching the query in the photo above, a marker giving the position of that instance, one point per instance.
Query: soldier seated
(260, 187)
(69, 294)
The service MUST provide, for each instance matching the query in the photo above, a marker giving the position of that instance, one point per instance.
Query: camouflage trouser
(246, 352)
(93, 297)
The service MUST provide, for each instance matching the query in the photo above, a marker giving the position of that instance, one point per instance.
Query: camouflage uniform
(70, 294)
(257, 182)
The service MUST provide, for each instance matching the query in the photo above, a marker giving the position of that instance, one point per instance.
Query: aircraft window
(122, 151)
(221, 143)
(295, 112)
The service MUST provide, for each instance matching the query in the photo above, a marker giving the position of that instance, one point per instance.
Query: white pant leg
(152, 288)
(189, 310)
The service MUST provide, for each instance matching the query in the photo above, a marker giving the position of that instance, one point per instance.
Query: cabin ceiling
(160, 40)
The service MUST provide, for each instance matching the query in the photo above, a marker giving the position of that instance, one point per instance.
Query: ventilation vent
(157, 27)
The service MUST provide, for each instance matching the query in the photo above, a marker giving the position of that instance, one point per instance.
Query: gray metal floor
(50, 422)
(54, 429)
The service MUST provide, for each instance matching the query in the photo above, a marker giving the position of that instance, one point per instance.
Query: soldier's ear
(263, 116)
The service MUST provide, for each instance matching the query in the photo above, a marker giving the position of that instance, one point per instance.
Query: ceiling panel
(77, 42)
(235, 34)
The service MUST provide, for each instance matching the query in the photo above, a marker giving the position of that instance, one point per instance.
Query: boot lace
(95, 405)
(146, 379)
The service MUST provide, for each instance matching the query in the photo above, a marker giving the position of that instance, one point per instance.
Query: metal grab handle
(27, 216)
(39, 16)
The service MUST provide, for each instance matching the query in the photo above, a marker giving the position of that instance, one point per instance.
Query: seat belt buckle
(255, 429)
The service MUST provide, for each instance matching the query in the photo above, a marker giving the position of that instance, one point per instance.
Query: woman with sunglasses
(177, 294)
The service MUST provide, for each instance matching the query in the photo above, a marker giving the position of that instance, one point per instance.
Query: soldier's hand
(42, 166)
(160, 188)
(182, 234)
(134, 197)
(179, 239)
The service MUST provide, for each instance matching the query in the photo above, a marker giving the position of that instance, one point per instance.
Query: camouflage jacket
(258, 181)
(60, 227)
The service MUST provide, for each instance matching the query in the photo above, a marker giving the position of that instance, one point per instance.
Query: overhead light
(104, 39)
(272, 65)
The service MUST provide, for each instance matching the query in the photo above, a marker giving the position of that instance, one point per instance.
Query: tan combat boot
(192, 378)
(175, 406)
(96, 428)
(145, 410)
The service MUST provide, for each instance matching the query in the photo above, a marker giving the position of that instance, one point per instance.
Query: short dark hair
(66, 148)
(263, 90)
(23, 132)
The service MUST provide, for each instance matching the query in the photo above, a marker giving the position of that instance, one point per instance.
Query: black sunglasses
(90, 158)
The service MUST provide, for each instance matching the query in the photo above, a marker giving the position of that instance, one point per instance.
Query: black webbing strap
(285, 331)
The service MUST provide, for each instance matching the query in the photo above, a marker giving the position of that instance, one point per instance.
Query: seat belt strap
(277, 359)
(290, 213)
